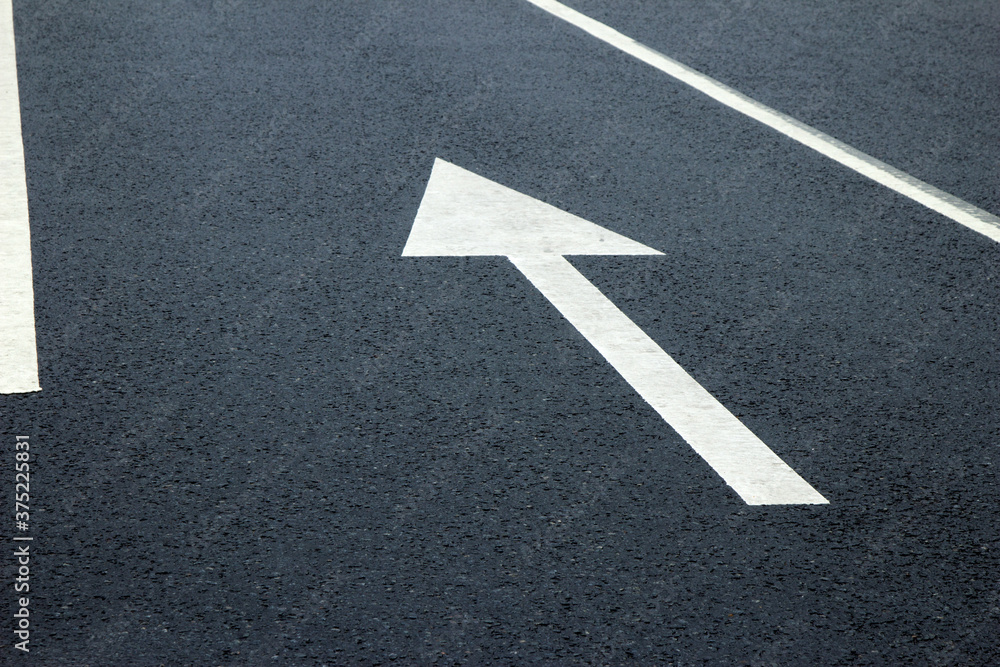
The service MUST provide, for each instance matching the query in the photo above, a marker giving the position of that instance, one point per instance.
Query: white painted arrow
(465, 214)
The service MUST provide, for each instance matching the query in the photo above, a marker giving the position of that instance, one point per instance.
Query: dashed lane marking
(18, 355)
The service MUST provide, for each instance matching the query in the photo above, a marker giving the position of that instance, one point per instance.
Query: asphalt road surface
(266, 437)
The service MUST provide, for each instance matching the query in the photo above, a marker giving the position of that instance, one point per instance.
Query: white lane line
(464, 214)
(18, 355)
(937, 200)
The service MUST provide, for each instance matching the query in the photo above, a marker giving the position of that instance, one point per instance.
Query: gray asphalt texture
(266, 438)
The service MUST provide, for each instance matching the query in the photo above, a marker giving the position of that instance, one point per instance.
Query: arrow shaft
(749, 466)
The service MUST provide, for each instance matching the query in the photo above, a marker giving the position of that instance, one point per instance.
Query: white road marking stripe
(741, 459)
(18, 355)
(937, 200)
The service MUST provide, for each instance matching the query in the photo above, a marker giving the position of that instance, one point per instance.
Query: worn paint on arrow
(937, 200)
(465, 214)
(18, 356)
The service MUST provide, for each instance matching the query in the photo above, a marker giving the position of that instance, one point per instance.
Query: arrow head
(463, 213)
